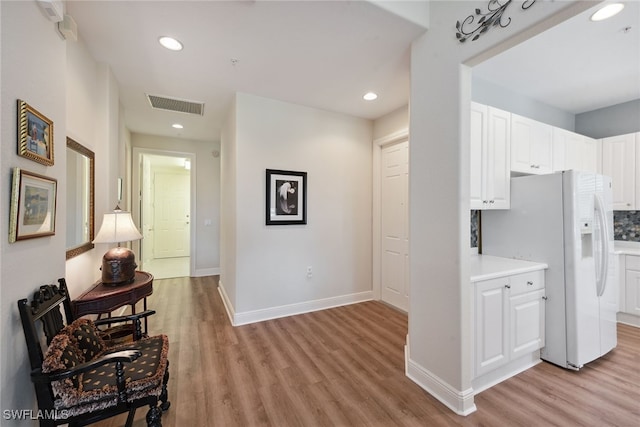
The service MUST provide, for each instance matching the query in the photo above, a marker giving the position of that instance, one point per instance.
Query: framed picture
(286, 197)
(35, 135)
(33, 206)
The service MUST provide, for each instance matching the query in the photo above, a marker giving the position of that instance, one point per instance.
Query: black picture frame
(286, 197)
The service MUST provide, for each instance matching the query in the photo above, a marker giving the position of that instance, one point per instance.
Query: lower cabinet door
(632, 304)
(527, 323)
(491, 325)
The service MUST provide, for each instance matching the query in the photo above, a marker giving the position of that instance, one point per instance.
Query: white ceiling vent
(174, 104)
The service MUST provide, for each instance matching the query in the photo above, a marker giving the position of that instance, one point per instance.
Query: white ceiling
(327, 54)
(576, 66)
(323, 54)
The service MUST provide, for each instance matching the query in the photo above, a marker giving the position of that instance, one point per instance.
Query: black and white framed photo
(286, 197)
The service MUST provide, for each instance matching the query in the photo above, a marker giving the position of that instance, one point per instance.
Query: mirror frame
(86, 246)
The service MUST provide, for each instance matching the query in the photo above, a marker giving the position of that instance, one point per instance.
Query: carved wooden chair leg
(154, 416)
(164, 396)
(132, 414)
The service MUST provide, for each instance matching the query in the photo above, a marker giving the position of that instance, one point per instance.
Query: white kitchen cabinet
(591, 155)
(491, 326)
(632, 285)
(531, 146)
(527, 323)
(490, 157)
(621, 161)
(509, 319)
(574, 151)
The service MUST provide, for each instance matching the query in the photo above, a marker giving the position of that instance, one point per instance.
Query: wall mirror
(80, 198)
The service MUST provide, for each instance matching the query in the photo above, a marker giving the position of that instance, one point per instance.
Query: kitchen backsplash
(626, 226)
(475, 225)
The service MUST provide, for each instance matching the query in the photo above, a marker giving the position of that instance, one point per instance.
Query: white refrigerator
(564, 219)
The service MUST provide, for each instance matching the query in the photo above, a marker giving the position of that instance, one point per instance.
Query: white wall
(26, 51)
(207, 201)
(390, 124)
(271, 261)
(228, 203)
(439, 356)
(93, 121)
(615, 120)
(491, 94)
(81, 97)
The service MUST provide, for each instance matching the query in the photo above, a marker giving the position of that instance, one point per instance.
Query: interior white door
(171, 214)
(394, 225)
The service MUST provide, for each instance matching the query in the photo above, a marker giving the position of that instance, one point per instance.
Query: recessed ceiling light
(177, 126)
(170, 43)
(370, 96)
(607, 11)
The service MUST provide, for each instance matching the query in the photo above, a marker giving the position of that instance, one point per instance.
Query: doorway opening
(165, 212)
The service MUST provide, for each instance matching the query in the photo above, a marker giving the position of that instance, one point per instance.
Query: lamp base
(118, 266)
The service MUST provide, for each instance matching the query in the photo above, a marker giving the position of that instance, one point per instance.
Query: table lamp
(118, 264)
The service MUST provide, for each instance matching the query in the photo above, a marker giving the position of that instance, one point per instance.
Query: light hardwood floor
(345, 367)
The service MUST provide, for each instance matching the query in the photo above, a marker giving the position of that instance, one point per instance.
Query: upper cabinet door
(590, 155)
(489, 157)
(531, 146)
(574, 151)
(498, 182)
(619, 162)
(478, 139)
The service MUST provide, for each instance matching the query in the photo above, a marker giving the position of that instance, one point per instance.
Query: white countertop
(484, 267)
(626, 248)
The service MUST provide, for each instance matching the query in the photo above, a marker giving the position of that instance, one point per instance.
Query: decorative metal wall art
(480, 22)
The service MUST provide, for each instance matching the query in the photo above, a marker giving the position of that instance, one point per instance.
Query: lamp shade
(117, 227)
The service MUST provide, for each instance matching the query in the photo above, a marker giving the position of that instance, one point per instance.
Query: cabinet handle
(529, 283)
(544, 297)
(507, 286)
(491, 202)
(485, 202)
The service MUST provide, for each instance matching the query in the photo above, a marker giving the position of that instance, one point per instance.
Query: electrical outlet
(309, 272)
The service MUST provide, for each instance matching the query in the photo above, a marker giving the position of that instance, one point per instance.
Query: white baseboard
(226, 302)
(254, 316)
(629, 319)
(460, 402)
(206, 272)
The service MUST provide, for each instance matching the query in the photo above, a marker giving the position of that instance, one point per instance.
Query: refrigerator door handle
(603, 262)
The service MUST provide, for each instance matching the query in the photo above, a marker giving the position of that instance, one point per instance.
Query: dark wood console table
(103, 298)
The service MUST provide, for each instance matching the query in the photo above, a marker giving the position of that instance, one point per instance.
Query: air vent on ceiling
(174, 104)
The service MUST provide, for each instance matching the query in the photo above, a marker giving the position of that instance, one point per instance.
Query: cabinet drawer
(526, 282)
(633, 262)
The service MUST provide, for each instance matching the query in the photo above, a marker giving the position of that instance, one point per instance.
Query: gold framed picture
(35, 134)
(33, 206)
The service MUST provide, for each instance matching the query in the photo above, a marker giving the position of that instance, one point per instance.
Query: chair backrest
(50, 305)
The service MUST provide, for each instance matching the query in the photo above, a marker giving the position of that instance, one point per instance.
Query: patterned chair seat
(97, 389)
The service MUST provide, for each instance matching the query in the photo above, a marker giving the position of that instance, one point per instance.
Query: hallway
(167, 268)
